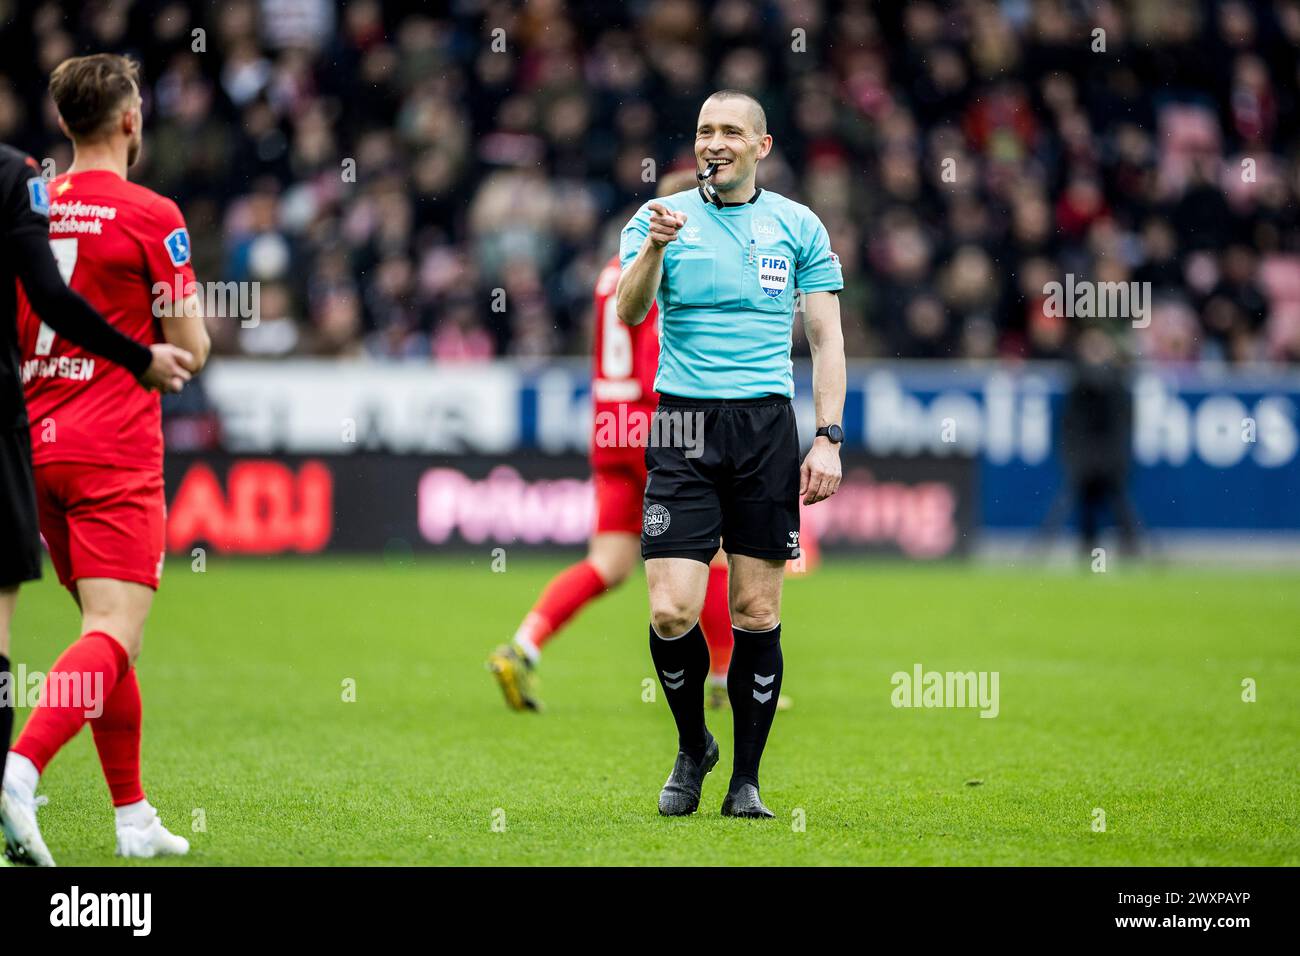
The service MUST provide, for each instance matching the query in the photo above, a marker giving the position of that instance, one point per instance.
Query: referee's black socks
(753, 687)
(682, 664)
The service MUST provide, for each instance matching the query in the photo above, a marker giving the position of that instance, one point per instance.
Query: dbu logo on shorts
(656, 520)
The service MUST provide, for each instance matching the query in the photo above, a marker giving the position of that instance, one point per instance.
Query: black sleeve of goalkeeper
(66, 312)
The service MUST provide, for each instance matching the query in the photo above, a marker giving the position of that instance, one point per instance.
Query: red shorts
(102, 522)
(620, 495)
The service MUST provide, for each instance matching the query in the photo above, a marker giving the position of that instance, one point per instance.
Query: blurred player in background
(624, 364)
(97, 446)
(24, 231)
(1096, 442)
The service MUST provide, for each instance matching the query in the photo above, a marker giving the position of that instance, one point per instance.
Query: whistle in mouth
(709, 192)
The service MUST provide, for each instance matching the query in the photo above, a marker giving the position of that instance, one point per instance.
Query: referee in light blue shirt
(723, 262)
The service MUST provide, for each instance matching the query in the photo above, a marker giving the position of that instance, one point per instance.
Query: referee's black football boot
(680, 796)
(744, 802)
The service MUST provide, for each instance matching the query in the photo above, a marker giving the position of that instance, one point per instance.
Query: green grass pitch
(1120, 691)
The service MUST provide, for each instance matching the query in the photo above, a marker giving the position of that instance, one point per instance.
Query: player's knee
(613, 577)
(129, 634)
(671, 618)
(614, 556)
(622, 574)
(613, 569)
(754, 613)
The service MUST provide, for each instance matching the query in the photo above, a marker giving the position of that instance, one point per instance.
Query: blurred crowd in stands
(385, 170)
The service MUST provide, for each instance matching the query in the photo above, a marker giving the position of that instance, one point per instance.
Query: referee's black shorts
(20, 532)
(727, 473)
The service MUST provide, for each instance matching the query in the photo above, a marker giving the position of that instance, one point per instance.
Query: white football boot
(23, 838)
(149, 839)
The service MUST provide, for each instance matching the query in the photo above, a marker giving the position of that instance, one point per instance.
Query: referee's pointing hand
(664, 224)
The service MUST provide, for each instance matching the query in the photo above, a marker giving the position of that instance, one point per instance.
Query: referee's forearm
(639, 283)
(826, 343)
(829, 380)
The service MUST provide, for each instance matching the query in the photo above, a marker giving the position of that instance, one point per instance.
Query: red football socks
(117, 738)
(76, 689)
(715, 620)
(564, 597)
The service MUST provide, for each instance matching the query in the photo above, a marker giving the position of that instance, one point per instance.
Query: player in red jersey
(97, 443)
(623, 397)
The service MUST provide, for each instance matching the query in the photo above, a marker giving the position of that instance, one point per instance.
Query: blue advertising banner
(1210, 452)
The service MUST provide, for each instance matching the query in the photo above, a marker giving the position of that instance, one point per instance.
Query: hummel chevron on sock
(753, 686)
(77, 686)
(715, 619)
(682, 663)
(117, 738)
(563, 597)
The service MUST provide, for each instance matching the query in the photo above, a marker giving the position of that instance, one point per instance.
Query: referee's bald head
(757, 117)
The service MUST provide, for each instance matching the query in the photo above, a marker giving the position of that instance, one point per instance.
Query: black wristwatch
(832, 432)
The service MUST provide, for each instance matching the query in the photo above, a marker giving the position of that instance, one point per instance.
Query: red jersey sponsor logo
(114, 241)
